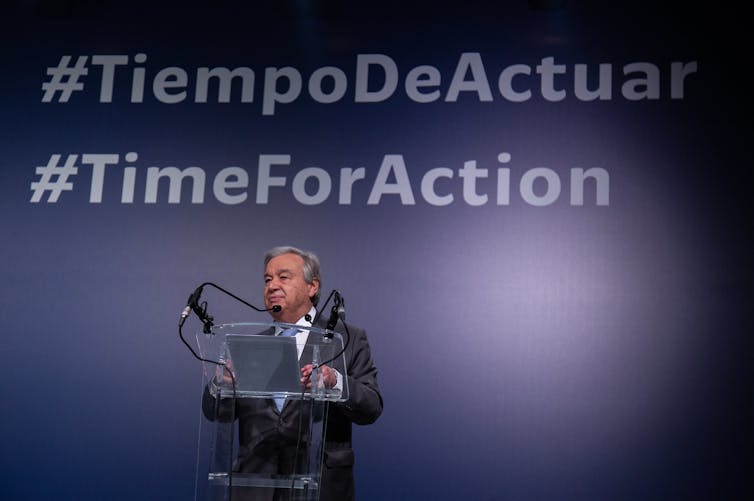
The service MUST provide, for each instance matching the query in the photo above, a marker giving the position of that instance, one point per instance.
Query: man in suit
(268, 435)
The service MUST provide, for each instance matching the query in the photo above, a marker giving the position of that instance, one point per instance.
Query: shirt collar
(307, 323)
(303, 322)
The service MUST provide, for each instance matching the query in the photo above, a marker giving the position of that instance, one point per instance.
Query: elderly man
(292, 282)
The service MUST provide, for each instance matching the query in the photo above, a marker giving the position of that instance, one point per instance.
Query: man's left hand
(329, 376)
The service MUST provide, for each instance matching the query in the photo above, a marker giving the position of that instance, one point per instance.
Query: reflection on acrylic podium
(280, 453)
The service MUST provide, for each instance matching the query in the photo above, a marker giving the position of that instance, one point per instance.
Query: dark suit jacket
(264, 432)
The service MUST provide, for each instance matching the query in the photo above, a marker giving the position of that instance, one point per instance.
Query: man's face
(284, 285)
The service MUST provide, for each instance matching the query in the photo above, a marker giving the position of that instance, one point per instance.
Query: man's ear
(313, 288)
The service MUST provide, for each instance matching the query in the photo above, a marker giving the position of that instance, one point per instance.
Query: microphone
(342, 309)
(201, 310)
(338, 311)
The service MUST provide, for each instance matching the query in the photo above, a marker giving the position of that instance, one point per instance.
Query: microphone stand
(201, 311)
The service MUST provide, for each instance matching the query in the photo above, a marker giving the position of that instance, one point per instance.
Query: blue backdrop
(539, 211)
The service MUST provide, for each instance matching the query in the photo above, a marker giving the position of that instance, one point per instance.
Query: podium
(247, 449)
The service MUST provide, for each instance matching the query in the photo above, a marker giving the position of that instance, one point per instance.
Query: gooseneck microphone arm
(200, 309)
(275, 308)
(337, 312)
(324, 306)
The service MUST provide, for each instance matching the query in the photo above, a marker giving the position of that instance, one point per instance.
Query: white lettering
(347, 178)
(230, 178)
(505, 83)
(548, 69)
(99, 162)
(170, 78)
(324, 186)
(678, 74)
(175, 177)
(224, 78)
(340, 83)
(604, 88)
(469, 61)
(271, 94)
(602, 185)
(389, 68)
(264, 180)
(129, 179)
(504, 180)
(108, 64)
(642, 88)
(423, 76)
(470, 174)
(137, 82)
(428, 186)
(552, 191)
(401, 187)
(540, 186)
(376, 78)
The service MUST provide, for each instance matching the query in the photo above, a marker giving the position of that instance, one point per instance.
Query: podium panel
(249, 448)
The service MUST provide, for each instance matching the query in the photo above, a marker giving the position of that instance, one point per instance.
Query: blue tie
(286, 333)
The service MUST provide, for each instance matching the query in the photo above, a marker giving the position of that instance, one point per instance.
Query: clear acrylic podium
(227, 468)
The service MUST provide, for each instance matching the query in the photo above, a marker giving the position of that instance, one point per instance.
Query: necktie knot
(289, 332)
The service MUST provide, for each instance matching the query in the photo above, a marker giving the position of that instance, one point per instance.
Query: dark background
(560, 352)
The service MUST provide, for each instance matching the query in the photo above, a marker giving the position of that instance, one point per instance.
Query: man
(267, 435)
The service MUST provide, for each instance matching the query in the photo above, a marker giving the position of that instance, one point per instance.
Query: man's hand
(222, 374)
(329, 376)
(222, 378)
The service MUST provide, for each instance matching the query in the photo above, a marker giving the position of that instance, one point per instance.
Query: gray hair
(311, 265)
